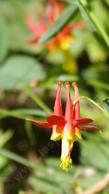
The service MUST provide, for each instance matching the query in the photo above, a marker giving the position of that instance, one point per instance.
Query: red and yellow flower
(73, 126)
(67, 127)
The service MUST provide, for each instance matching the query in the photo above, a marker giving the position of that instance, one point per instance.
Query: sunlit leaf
(18, 71)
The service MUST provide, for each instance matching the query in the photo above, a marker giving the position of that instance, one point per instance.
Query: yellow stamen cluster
(66, 163)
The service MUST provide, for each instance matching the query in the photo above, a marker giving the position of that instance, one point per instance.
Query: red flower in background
(66, 127)
(53, 11)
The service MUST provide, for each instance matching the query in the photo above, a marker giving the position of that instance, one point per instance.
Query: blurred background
(42, 42)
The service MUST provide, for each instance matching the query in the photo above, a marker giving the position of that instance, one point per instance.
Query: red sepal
(83, 121)
(90, 128)
(56, 120)
(41, 124)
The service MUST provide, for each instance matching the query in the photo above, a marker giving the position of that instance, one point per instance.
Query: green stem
(95, 21)
(38, 100)
(99, 27)
(94, 103)
(30, 133)
(6, 113)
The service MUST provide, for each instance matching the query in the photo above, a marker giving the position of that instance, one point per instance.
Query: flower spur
(55, 121)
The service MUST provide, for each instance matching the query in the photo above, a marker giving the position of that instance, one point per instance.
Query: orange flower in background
(53, 11)
(68, 127)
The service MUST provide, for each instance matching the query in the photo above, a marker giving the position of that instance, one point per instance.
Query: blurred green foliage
(28, 79)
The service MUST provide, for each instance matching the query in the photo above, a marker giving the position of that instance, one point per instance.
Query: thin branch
(99, 186)
(94, 103)
(37, 100)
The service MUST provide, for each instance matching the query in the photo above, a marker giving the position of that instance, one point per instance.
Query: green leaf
(107, 1)
(44, 185)
(62, 182)
(60, 23)
(21, 113)
(4, 39)
(94, 150)
(29, 112)
(5, 137)
(42, 179)
(18, 71)
(5, 169)
(106, 104)
(12, 156)
(94, 20)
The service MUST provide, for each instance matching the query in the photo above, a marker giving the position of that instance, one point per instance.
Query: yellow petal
(55, 137)
(78, 133)
(56, 133)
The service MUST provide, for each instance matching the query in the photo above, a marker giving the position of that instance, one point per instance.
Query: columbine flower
(72, 127)
(53, 11)
(55, 121)
(68, 127)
